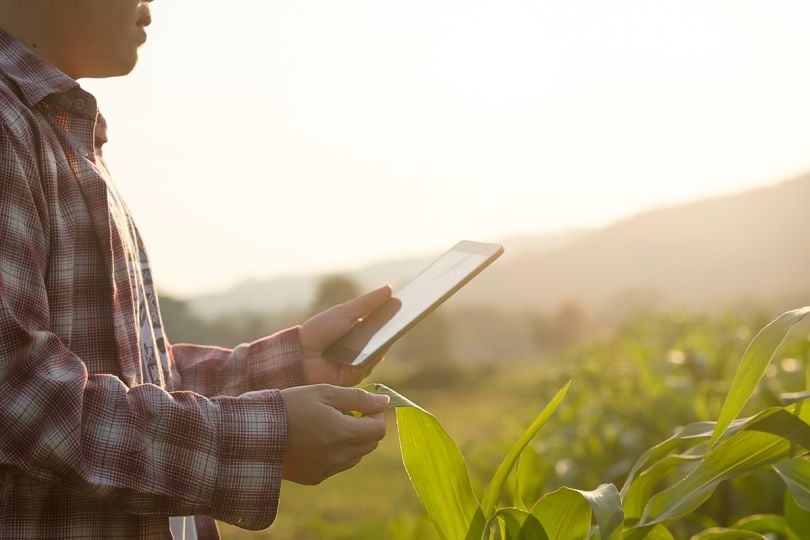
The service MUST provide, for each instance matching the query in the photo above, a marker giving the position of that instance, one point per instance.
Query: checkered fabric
(88, 447)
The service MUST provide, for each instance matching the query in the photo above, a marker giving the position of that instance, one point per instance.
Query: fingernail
(382, 399)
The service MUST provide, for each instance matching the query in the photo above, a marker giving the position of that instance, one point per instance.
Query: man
(106, 429)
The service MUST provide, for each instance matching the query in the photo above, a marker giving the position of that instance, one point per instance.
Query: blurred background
(645, 165)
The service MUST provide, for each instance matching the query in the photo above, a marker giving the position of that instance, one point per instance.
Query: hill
(295, 291)
(747, 247)
(752, 246)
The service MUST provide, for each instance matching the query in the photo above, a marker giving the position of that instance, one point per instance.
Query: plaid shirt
(87, 449)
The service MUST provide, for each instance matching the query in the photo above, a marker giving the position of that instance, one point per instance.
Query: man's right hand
(321, 439)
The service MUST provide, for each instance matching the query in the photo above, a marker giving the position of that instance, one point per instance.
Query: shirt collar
(35, 78)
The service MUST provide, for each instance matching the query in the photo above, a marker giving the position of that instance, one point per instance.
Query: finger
(366, 429)
(327, 326)
(380, 416)
(350, 375)
(356, 399)
(365, 304)
(368, 367)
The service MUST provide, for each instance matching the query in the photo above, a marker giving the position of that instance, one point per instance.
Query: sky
(263, 138)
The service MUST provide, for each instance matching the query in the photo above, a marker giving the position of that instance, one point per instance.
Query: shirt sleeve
(273, 362)
(141, 449)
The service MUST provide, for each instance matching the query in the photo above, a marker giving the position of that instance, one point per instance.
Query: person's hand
(321, 439)
(325, 328)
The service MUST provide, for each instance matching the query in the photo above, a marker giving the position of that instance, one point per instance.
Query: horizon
(315, 120)
(528, 235)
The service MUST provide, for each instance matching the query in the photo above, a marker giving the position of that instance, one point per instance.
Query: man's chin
(117, 68)
(110, 66)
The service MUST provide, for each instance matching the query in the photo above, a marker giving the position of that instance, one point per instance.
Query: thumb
(328, 326)
(356, 399)
(365, 304)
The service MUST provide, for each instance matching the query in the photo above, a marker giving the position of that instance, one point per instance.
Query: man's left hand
(325, 328)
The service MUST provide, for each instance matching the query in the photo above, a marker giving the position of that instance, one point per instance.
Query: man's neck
(31, 28)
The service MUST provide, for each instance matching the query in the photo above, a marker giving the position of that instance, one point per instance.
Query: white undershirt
(154, 359)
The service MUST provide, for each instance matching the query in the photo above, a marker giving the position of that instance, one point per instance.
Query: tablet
(367, 342)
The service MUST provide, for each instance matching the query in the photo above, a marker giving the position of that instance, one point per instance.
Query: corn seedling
(667, 482)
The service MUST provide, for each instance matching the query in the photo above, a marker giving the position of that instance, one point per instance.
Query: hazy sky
(259, 138)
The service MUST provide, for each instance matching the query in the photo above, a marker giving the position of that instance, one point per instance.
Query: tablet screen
(427, 289)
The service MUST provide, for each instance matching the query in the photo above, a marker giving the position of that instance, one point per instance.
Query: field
(631, 389)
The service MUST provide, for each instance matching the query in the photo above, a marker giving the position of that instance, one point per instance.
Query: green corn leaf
(491, 496)
(516, 524)
(692, 432)
(564, 514)
(659, 532)
(650, 532)
(763, 523)
(774, 436)
(796, 518)
(635, 495)
(436, 468)
(531, 472)
(518, 497)
(730, 534)
(532, 529)
(796, 474)
(645, 483)
(607, 507)
(753, 365)
(396, 399)
(696, 430)
(793, 397)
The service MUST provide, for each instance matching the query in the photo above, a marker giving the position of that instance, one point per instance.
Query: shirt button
(80, 104)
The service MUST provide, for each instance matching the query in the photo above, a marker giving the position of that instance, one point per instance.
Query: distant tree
(540, 330)
(488, 333)
(567, 324)
(181, 324)
(232, 329)
(564, 326)
(334, 289)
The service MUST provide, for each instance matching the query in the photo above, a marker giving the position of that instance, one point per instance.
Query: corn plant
(667, 482)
